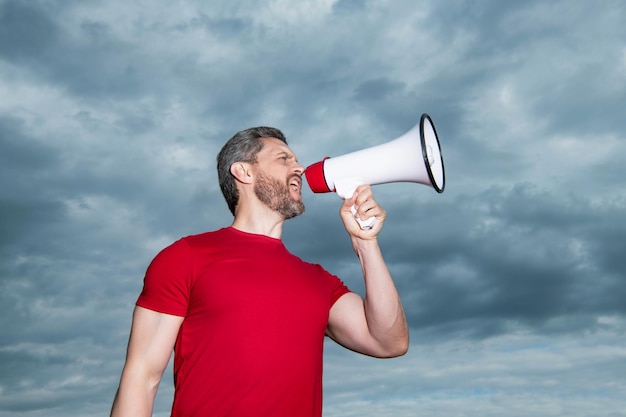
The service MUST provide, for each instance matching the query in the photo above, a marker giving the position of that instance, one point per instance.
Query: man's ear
(242, 171)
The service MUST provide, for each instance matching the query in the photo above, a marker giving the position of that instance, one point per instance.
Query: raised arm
(152, 339)
(376, 325)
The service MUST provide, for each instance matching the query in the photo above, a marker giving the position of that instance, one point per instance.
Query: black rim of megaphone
(425, 155)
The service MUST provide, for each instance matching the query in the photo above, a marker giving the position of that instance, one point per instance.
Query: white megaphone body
(413, 157)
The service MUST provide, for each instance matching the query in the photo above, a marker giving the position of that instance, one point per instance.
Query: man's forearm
(385, 315)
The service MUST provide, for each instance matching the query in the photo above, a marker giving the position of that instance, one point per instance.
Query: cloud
(512, 279)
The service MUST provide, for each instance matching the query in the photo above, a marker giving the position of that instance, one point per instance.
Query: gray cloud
(512, 279)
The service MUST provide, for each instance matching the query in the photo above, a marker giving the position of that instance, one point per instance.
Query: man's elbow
(400, 350)
(393, 350)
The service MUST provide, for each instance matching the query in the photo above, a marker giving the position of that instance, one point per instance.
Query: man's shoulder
(206, 238)
(189, 246)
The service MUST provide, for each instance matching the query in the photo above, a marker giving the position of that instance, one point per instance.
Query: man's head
(244, 147)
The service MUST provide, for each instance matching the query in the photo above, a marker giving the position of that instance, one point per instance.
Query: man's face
(279, 179)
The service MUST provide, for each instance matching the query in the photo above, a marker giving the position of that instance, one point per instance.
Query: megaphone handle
(345, 189)
(365, 224)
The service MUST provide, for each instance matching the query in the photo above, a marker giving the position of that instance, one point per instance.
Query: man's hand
(366, 207)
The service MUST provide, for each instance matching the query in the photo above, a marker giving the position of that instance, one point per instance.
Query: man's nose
(299, 169)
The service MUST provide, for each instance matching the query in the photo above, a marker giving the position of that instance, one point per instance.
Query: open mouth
(295, 183)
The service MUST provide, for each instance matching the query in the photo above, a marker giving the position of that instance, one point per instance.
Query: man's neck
(261, 221)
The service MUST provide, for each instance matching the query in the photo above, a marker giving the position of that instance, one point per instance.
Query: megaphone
(413, 157)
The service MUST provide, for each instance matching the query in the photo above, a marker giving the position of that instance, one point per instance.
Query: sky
(513, 278)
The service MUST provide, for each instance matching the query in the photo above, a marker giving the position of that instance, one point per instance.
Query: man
(246, 319)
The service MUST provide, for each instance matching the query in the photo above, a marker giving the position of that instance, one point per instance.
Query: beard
(276, 195)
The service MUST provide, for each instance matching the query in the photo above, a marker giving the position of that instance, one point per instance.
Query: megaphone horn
(413, 157)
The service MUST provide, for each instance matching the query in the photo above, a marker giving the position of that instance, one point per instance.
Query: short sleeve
(338, 288)
(167, 282)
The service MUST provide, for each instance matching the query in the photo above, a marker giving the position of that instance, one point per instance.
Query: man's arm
(376, 325)
(152, 339)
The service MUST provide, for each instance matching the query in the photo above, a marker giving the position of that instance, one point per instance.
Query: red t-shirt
(251, 343)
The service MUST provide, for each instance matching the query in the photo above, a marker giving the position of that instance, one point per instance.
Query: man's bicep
(347, 324)
(152, 338)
